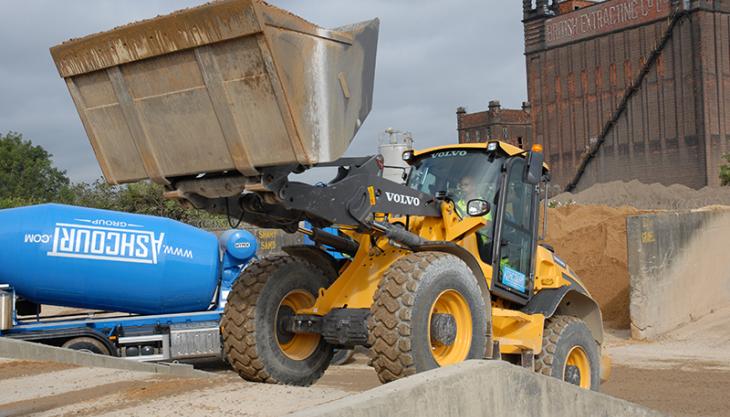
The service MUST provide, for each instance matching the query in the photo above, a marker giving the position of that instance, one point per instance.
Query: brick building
(510, 125)
(630, 89)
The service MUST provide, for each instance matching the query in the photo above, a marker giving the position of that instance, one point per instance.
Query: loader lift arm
(350, 199)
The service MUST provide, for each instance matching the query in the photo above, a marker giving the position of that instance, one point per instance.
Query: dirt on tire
(548, 358)
(240, 328)
(392, 319)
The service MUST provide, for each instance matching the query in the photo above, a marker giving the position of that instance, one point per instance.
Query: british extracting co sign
(602, 18)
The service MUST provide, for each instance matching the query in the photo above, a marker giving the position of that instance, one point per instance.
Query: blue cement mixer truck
(165, 281)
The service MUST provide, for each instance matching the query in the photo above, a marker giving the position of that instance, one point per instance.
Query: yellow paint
(357, 283)
(509, 149)
(548, 274)
(359, 278)
(605, 367)
(517, 331)
(453, 303)
(647, 236)
(579, 358)
(371, 194)
(301, 345)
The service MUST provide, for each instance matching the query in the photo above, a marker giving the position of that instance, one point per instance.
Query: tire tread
(239, 322)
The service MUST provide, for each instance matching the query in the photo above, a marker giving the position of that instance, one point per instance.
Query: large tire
(413, 288)
(569, 353)
(254, 342)
(87, 344)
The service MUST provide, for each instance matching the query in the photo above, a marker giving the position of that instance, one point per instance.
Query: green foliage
(27, 175)
(141, 198)
(725, 171)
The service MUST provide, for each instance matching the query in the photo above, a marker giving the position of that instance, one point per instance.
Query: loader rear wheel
(255, 339)
(569, 353)
(86, 344)
(428, 311)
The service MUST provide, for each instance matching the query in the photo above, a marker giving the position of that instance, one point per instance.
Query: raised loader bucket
(228, 86)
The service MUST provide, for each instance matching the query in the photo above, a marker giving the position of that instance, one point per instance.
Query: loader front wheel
(255, 339)
(428, 311)
(569, 353)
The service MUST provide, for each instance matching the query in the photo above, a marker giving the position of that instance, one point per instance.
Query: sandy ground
(685, 374)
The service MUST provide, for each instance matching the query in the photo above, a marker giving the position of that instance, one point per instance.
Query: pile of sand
(592, 240)
(647, 196)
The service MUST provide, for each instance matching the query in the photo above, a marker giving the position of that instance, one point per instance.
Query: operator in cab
(467, 190)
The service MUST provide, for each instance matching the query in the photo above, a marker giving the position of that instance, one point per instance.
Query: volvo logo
(403, 199)
(447, 154)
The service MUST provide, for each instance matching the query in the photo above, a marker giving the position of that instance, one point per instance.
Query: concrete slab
(479, 388)
(17, 349)
(62, 382)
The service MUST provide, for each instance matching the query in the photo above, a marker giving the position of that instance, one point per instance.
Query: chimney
(460, 112)
(494, 106)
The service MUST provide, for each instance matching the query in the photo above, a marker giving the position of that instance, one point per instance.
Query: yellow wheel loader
(432, 277)
(222, 103)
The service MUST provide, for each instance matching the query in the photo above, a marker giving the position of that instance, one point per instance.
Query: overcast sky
(433, 56)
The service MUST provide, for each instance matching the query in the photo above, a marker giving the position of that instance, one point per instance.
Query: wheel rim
(296, 346)
(452, 303)
(577, 369)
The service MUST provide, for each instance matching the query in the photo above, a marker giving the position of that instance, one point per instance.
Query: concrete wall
(478, 388)
(18, 349)
(679, 264)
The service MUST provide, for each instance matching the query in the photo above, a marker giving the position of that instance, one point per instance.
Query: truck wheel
(255, 342)
(86, 344)
(569, 353)
(427, 312)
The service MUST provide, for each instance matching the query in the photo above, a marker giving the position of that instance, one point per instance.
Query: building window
(505, 133)
(467, 137)
(477, 135)
(519, 142)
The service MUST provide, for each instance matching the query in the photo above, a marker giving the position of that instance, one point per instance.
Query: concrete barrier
(478, 388)
(678, 267)
(18, 349)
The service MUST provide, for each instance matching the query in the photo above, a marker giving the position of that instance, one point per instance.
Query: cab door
(515, 235)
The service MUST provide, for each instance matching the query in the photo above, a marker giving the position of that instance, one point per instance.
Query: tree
(27, 174)
(142, 198)
(725, 171)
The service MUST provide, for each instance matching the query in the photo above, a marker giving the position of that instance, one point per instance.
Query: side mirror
(533, 168)
(477, 208)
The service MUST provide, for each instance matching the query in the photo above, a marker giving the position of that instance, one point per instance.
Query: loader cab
(499, 174)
